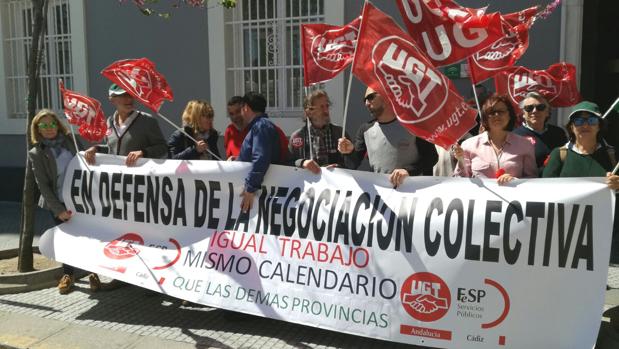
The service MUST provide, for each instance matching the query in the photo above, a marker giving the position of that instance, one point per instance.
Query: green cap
(586, 106)
(115, 90)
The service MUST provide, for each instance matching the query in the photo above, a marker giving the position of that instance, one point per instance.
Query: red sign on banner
(504, 52)
(84, 112)
(448, 32)
(422, 98)
(141, 80)
(327, 50)
(557, 84)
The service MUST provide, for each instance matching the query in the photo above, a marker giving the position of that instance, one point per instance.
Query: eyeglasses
(578, 121)
(498, 112)
(45, 126)
(539, 107)
(370, 97)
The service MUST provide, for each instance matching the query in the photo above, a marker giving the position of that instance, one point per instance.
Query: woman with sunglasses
(50, 156)
(497, 152)
(586, 155)
(544, 136)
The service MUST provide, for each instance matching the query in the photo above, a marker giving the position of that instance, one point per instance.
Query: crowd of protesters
(502, 147)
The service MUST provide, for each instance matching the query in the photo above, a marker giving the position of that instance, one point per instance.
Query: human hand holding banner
(423, 99)
(327, 49)
(84, 112)
(141, 80)
(437, 262)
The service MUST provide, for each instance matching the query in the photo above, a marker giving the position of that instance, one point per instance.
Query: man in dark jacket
(260, 146)
(318, 147)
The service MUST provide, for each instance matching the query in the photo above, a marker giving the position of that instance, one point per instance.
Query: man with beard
(237, 130)
(317, 146)
(391, 149)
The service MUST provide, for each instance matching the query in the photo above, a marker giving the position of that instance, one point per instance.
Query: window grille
(56, 63)
(266, 49)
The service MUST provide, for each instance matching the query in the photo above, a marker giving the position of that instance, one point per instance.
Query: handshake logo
(521, 83)
(333, 49)
(418, 89)
(425, 297)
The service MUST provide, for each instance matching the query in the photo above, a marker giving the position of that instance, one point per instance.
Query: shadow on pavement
(133, 305)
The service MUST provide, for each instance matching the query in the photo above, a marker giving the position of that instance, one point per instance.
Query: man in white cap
(131, 133)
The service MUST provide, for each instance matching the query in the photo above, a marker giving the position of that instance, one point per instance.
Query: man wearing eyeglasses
(131, 133)
(544, 136)
(390, 148)
(315, 144)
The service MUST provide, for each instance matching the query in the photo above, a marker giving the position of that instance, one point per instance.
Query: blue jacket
(261, 148)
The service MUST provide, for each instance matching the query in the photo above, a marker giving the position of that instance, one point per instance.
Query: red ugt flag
(506, 51)
(141, 80)
(327, 50)
(448, 32)
(422, 98)
(557, 84)
(84, 112)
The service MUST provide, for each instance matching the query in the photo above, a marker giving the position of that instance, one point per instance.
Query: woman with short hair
(497, 152)
(198, 122)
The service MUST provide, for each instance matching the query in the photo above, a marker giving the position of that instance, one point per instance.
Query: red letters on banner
(504, 52)
(84, 112)
(557, 84)
(423, 99)
(448, 32)
(141, 80)
(327, 50)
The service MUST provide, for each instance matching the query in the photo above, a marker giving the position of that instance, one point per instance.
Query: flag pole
(77, 149)
(352, 65)
(476, 99)
(611, 108)
(309, 124)
(347, 98)
(188, 135)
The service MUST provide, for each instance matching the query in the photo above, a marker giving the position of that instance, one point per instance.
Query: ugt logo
(123, 247)
(333, 49)
(417, 88)
(521, 82)
(425, 296)
(136, 79)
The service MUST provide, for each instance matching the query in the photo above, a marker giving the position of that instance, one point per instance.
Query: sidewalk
(132, 317)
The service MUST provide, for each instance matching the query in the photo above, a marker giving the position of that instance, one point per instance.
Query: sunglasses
(45, 126)
(370, 97)
(578, 121)
(539, 107)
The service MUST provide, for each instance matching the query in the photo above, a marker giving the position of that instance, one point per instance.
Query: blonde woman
(198, 122)
(50, 156)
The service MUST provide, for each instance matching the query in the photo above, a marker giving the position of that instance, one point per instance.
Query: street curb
(30, 281)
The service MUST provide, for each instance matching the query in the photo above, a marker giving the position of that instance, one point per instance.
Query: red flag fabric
(327, 50)
(423, 99)
(141, 80)
(557, 84)
(84, 112)
(504, 52)
(448, 32)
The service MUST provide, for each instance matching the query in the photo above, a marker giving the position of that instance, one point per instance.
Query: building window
(266, 50)
(56, 64)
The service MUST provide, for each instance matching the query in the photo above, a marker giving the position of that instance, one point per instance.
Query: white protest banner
(457, 263)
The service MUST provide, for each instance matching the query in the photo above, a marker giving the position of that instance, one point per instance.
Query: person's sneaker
(95, 283)
(65, 285)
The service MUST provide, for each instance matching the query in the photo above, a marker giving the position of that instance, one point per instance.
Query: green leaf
(146, 11)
